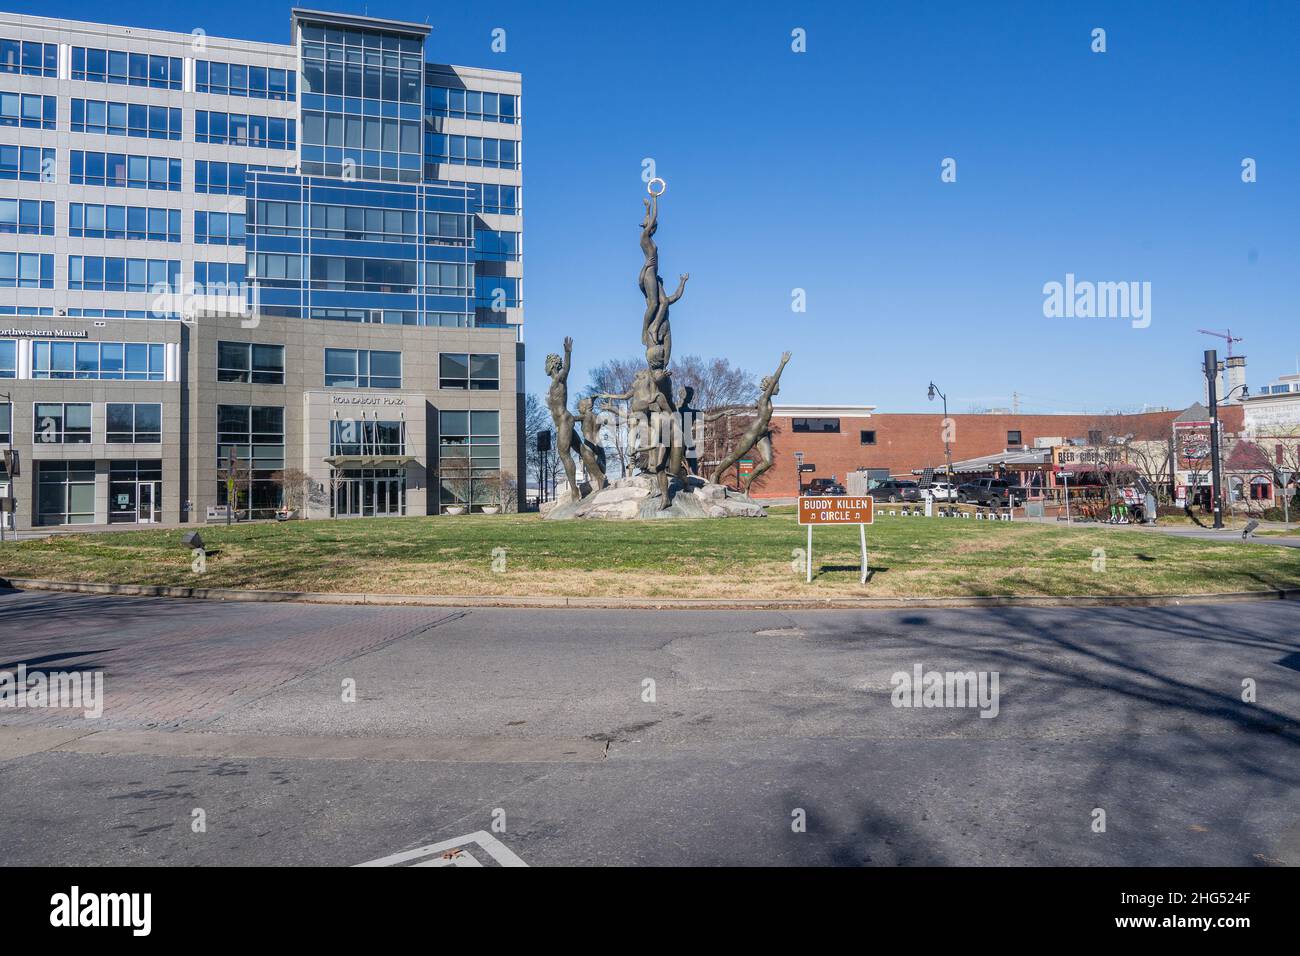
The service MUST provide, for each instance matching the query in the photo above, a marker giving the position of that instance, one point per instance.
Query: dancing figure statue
(557, 399)
(591, 450)
(759, 432)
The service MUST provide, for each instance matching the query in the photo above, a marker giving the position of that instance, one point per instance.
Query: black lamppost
(1211, 369)
(947, 448)
(9, 457)
(1215, 425)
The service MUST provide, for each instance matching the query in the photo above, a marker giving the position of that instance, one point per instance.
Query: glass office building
(253, 276)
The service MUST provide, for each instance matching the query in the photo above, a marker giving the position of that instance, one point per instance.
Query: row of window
(26, 270)
(236, 79)
(37, 164)
(93, 221)
(103, 361)
(354, 77)
(108, 117)
(471, 151)
(471, 105)
(125, 119)
(127, 69)
(112, 274)
(30, 217)
(27, 163)
(261, 364)
(219, 228)
(360, 132)
(29, 110)
(29, 57)
(69, 423)
(241, 129)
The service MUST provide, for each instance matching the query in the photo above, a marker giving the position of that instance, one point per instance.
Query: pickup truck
(994, 492)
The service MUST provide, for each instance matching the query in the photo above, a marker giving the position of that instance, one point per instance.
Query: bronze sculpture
(557, 399)
(661, 425)
(759, 432)
(591, 450)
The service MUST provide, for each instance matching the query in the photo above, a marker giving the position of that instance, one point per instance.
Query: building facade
(270, 276)
(840, 439)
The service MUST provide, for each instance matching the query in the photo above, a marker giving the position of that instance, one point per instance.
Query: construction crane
(1225, 334)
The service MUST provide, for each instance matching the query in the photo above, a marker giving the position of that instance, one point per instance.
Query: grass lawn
(723, 558)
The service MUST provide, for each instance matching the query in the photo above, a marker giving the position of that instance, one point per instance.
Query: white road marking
(490, 844)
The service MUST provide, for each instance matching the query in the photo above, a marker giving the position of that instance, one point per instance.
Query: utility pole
(1216, 477)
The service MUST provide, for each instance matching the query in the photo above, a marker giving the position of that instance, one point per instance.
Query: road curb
(645, 603)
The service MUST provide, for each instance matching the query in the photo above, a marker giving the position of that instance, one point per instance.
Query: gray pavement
(537, 718)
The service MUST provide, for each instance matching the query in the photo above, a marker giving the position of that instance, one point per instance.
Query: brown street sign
(836, 509)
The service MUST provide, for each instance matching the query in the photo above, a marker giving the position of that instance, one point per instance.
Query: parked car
(892, 490)
(941, 491)
(994, 492)
(823, 486)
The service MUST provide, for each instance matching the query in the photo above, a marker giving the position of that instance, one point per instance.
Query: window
(825, 425)
(95, 274)
(27, 163)
(360, 368)
(496, 292)
(501, 200)
(8, 359)
(26, 270)
(219, 278)
(491, 245)
(122, 169)
(475, 371)
(868, 438)
(249, 362)
(30, 217)
(471, 104)
(350, 436)
(219, 228)
(65, 492)
(254, 434)
(469, 457)
(235, 79)
(6, 425)
(126, 119)
(471, 151)
(30, 58)
(133, 423)
(61, 423)
(124, 222)
(29, 110)
(105, 361)
(239, 129)
(127, 69)
(1013, 438)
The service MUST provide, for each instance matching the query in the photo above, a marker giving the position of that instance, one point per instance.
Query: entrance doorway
(369, 493)
(148, 498)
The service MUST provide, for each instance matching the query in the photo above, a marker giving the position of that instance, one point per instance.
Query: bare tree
(298, 490)
(536, 419)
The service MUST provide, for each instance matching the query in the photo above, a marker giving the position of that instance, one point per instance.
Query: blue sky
(821, 171)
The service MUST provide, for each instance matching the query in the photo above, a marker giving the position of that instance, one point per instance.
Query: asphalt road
(538, 721)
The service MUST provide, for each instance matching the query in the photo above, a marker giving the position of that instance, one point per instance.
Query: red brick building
(842, 438)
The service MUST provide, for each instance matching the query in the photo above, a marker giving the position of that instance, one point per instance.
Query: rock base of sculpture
(638, 497)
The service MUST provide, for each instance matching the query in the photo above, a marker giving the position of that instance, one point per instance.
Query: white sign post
(838, 510)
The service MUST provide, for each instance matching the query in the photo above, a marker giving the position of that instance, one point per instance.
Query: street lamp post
(1216, 475)
(947, 448)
